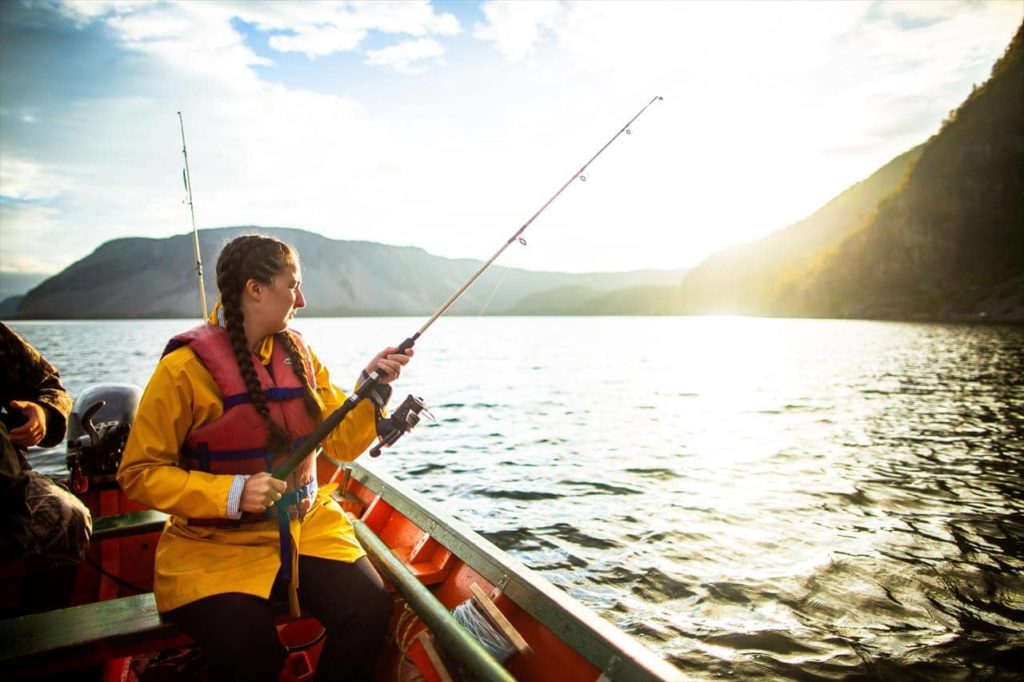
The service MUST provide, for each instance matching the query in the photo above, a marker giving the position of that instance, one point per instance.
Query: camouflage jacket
(26, 375)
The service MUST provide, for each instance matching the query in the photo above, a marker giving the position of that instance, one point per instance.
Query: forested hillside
(748, 278)
(950, 243)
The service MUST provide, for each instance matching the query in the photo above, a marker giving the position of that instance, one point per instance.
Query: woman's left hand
(389, 363)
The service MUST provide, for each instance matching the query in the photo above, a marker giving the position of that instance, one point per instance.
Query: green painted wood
(450, 635)
(122, 525)
(81, 635)
(619, 656)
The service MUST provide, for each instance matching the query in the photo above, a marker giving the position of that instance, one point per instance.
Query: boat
(432, 563)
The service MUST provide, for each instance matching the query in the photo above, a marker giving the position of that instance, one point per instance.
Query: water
(753, 498)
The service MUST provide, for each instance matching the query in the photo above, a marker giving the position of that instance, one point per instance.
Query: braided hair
(260, 258)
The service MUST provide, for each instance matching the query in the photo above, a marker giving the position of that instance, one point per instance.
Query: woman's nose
(300, 299)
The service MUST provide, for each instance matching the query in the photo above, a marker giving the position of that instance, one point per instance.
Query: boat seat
(124, 525)
(81, 636)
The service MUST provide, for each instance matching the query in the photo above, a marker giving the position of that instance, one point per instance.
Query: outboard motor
(97, 432)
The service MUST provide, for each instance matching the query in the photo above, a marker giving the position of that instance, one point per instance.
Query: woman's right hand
(261, 491)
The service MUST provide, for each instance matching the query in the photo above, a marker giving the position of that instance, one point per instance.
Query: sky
(446, 125)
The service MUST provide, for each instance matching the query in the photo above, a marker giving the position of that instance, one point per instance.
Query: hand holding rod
(363, 391)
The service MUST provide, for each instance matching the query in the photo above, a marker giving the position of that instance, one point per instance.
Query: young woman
(224, 407)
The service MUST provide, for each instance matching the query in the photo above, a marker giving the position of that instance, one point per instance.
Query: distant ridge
(950, 243)
(141, 277)
(935, 234)
(746, 279)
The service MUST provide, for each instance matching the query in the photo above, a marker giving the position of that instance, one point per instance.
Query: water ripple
(774, 499)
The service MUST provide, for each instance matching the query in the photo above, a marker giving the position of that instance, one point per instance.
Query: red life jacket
(236, 442)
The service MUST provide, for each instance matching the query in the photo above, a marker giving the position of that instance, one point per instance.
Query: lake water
(753, 498)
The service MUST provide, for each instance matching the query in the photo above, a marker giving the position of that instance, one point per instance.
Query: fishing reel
(401, 421)
(95, 447)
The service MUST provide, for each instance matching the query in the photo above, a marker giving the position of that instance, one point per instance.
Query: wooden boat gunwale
(618, 655)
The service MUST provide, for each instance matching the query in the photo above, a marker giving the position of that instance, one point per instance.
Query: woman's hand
(389, 363)
(261, 491)
(34, 429)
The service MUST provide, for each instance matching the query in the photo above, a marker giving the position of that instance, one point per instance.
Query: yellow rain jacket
(193, 562)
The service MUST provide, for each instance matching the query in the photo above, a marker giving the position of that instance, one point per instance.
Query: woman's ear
(254, 289)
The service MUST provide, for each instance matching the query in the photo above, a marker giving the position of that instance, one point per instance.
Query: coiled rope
(476, 623)
(468, 614)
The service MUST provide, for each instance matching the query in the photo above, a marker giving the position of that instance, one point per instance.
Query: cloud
(403, 55)
(28, 232)
(289, 121)
(517, 28)
(194, 37)
(84, 11)
(28, 263)
(324, 28)
(201, 34)
(25, 180)
(759, 93)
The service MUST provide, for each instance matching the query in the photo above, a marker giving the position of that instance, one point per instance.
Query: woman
(225, 405)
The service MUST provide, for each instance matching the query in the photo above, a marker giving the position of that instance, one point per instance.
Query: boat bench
(87, 635)
(82, 636)
(124, 525)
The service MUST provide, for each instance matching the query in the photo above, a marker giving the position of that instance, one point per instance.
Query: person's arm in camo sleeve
(32, 387)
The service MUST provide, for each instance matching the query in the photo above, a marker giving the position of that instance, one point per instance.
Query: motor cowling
(98, 428)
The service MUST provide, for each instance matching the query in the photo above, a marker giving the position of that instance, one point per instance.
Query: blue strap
(202, 451)
(273, 394)
(284, 526)
(202, 454)
(284, 531)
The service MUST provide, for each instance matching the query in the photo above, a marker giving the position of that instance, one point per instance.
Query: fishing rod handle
(407, 344)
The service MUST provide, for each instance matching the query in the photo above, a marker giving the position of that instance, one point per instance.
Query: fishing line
(366, 388)
(493, 292)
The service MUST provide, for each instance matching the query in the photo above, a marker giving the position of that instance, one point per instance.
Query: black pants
(240, 641)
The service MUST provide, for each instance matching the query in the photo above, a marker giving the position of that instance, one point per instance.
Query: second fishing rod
(407, 415)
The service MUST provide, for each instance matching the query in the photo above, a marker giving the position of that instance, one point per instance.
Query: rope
(476, 623)
(405, 631)
(469, 616)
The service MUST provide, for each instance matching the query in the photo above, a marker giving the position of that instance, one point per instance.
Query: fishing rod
(187, 177)
(407, 415)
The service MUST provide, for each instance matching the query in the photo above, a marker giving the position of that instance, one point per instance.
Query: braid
(234, 269)
(313, 404)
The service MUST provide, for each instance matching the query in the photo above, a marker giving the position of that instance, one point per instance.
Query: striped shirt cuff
(235, 497)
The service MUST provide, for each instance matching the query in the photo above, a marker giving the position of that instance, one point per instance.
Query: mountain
(937, 233)
(581, 300)
(949, 244)
(13, 286)
(9, 306)
(139, 277)
(744, 279)
(17, 283)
